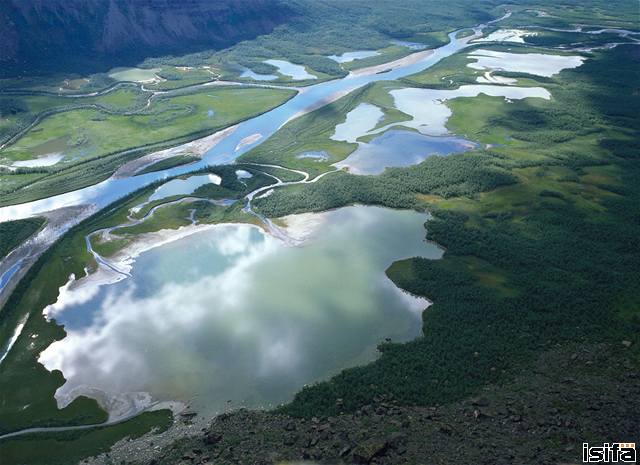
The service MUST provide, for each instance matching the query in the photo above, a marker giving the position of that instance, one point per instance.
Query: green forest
(511, 284)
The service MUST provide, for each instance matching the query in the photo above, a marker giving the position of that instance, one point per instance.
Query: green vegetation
(313, 131)
(170, 162)
(172, 215)
(26, 387)
(104, 141)
(430, 39)
(616, 13)
(283, 174)
(182, 77)
(67, 447)
(386, 55)
(55, 83)
(464, 33)
(316, 31)
(447, 74)
(20, 110)
(14, 233)
(543, 256)
(554, 38)
(397, 187)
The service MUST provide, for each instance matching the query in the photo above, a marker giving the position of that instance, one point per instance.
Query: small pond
(317, 155)
(183, 186)
(358, 122)
(295, 72)
(351, 56)
(400, 148)
(539, 64)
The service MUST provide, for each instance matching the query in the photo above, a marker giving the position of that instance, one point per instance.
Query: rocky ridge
(38, 33)
(568, 396)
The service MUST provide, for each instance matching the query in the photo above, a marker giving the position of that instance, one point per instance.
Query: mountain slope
(58, 34)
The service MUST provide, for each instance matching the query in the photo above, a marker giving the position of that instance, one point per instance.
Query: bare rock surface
(542, 416)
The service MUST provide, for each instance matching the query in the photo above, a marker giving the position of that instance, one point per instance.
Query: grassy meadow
(96, 143)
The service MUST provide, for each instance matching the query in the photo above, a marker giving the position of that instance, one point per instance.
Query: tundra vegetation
(96, 141)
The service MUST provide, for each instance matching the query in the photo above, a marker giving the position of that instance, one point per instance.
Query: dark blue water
(401, 148)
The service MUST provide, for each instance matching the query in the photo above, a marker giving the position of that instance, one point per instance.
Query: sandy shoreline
(196, 148)
(405, 61)
(301, 227)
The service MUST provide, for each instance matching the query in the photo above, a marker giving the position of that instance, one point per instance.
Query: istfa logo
(615, 452)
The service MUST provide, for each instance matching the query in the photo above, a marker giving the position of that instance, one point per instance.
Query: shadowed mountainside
(46, 35)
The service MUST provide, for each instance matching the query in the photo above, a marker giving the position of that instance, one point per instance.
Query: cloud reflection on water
(234, 314)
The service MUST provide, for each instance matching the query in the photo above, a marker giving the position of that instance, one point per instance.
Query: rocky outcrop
(48, 33)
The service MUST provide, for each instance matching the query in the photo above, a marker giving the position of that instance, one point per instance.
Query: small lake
(429, 110)
(400, 148)
(539, 64)
(134, 74)
(295, 72)
(47, 160)
(231, 316)
(358, 122)
(243, 174)
(47, 153)
(183, 186)
(250, 74)
(351, 56)
(317, 155)
(507, 35)
(285, 68)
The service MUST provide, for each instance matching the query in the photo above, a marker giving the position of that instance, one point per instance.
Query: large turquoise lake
(232, 316)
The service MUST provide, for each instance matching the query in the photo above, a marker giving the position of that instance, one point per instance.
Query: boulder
(367, 450)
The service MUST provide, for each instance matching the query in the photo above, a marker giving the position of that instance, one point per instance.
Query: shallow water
(358, 122)
(6, 276)
(232, 314)
(247, 73)
(489, 78)
(108, 191)
(133, 74)
(295, 72)
(430, 113)
(319, 155)
(351, 56)
(183, 186)
(47, 153)
(507, 35)
(400, 148)
(56, 145)
(47, 160)
(243, 174)
(539, 64)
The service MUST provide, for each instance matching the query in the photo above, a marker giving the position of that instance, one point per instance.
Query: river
(231, 147)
